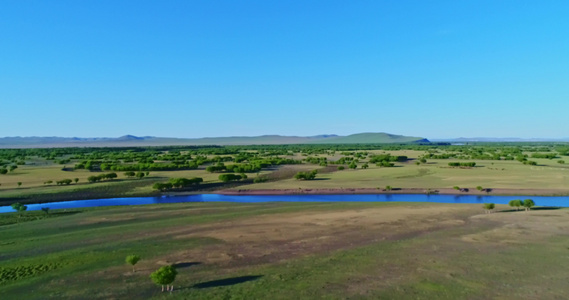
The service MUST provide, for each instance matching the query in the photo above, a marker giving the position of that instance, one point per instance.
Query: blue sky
(435, 69)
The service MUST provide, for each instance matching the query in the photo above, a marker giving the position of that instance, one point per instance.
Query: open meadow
(41, 175)
(288, 251)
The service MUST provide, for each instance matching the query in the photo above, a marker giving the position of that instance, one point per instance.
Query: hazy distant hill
(130, 140)
(500, 140)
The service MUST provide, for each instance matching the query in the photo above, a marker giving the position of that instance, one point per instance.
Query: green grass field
(288, 251)
(547, 177)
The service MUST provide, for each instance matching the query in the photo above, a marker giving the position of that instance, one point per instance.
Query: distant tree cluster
(5, 170)
(544, 155)
(306, 175)
(177, 183)
(231, 177)
(527, 204)
(107, 176)
(465, 164)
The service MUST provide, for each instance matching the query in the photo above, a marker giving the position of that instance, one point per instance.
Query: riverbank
(440, 191)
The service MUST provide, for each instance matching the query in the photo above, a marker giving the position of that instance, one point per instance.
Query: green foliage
(132, 260)
(388, 188)
(489, 206)
(459, 164)
(340, 168)
(306, 175)
(544, 155)
(560, 161)
(45, 210)
(108, 176)
(515, 203)
(528, 204)
(19, 207)
(456, 188)
(164, 276)
(8, 274)
(229, 177)
(64, 182)
(480, 188)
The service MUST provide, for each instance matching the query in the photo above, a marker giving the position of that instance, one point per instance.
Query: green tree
(45, 210)
(19, 183)
(388, 188)
(164, 276)
(528, 204)
(140, 175)
(132, 260)
(515, 203)
(76, 180)
(19, 207)
(456, 187)
(340, 168)
(489, 207)
(12, 168)
(479, 188)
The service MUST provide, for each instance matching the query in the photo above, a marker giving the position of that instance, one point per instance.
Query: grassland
(289, 251)
(505, 176)
(547, 175)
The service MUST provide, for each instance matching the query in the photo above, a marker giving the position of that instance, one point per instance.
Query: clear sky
(185, 68)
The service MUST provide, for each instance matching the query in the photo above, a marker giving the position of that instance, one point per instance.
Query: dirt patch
(273, 238)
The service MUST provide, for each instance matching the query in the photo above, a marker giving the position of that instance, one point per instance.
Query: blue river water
(562, 201)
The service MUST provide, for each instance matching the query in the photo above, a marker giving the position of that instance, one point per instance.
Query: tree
(479, 188)
(515, 203)
(489, 207)
(388, 188)
(45, 210)
(19, 207)
(12, 168)
(76, 180)
(456, 187)
(140, 175)
(132, 260)
(353, 166)
(340, 168)
(528, 204)
(129, 174)
(19, 183)
(164, 276)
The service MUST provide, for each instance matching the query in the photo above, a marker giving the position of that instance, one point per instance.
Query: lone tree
(132, 260)
(19, 183)
(76, 180)
(479, 188)
(516, 203)
(19, 207)
(528, 204)
(165, 276)
(456, 187)
(45, 210)
(488, 207)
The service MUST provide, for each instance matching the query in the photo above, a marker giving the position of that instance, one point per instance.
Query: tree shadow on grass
(183, 265)
(533, 208)
(226, 281)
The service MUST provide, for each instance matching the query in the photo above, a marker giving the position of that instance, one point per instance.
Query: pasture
(289, 250)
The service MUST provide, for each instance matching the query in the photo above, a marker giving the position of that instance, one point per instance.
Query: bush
(306, 175)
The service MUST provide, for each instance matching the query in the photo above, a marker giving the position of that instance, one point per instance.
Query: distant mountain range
(130, 140)
(498, 140)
